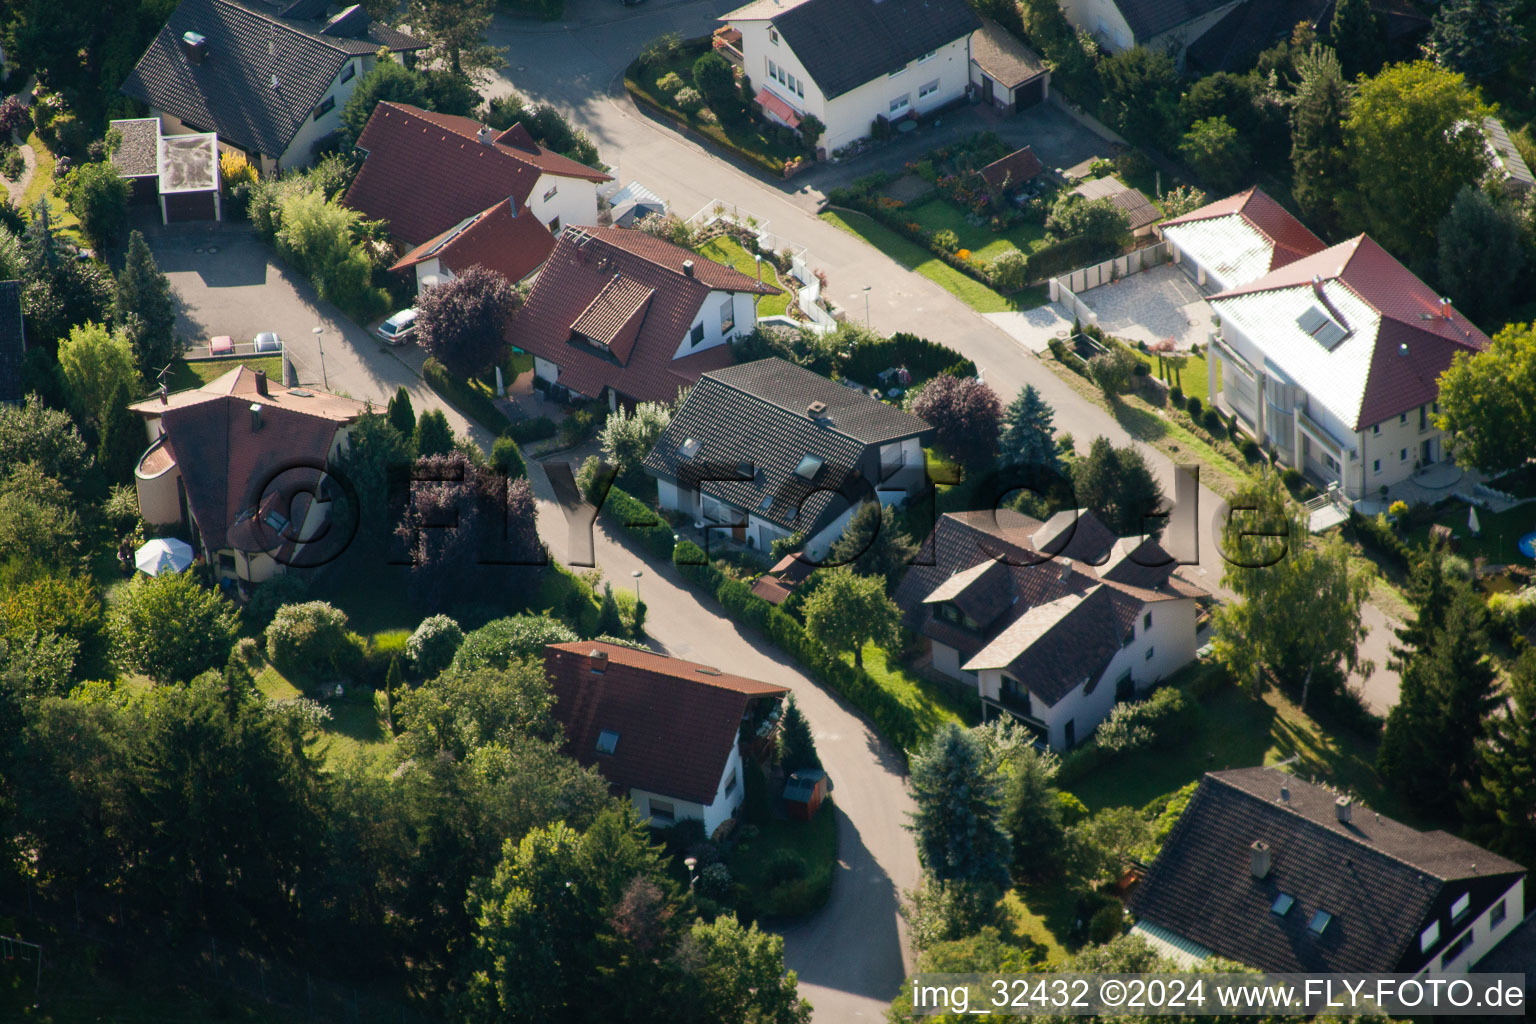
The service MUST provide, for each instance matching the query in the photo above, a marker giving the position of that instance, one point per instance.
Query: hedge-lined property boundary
(474, 404)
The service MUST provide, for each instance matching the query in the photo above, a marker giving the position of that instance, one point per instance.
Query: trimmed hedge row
(475, 404)
(894, 719)
(923, 358)
(639, 520)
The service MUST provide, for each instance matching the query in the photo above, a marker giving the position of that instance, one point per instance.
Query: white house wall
(1102, 20)
(312, 131)
(742, 308)
(1486, 935)
(722, 808)
(573, 200)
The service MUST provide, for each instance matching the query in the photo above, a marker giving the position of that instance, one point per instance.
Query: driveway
(227, 281)
(1155, 304)
(850, 955)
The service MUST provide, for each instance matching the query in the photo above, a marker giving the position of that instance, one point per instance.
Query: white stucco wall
(723, 806)
(849, 116)
(546, 370)
(573, 200)
(1485, 934)
(743, 309)
(1102, 20)
(159, 501)
(946, 659)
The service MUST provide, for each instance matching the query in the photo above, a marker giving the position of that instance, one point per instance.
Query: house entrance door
(986, 89)
(1427, 451)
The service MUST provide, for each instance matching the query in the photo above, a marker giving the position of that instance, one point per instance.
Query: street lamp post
(325, 380)
(637, 574)
(866, 305)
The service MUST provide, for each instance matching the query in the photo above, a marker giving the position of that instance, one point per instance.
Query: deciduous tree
(97, 365)
(1217, 153)
(738, 975)
(965, 412)
(1481, 253)
(463, 323)
(847, 611)
(627, 436)
(1486, 400)
(456, 31)
(98, 195)
(1476, 37)
(170, 628)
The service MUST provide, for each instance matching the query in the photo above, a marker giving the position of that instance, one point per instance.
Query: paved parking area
(1152, 305)
(1034, 328)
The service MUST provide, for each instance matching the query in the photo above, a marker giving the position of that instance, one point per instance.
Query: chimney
(1317, 285)
(687, 268)
(597, 660)
(485, 135)
(816, 409)
(255, 416)
(1343, 809)
(1259, 858)
(1445, 308)
(195, 46)
(261, 383)
(1066, 568)
(1285, 794)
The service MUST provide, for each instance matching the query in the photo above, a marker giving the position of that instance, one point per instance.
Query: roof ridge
(827, 424)
(279, 22)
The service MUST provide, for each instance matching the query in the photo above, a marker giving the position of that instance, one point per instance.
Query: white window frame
(1462, 904)
(773, 35)
(901, 104)
(773, 69)
(927, 89)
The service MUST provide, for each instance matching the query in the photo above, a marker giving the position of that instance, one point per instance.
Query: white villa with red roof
(496, 198)
(1331, 355)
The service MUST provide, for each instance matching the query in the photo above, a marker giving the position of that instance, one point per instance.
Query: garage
(1005, 73)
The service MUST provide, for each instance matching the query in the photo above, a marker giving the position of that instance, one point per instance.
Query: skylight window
(1321, 327)
(607, 741)
(689, 448)
(1282, 905)
(1319, 922)
(766, 503)
(809, 467)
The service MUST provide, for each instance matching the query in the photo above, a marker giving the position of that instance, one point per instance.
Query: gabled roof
(1012, 170)
(582, 270)
(1379, 879)
(1053, 599)
(1399, 335)
(1150, 18)
(407, 146)
(13, 341)
(224, 462)
(845, 43)
(231, 91)
(1243, 236)
(676, 721)
(512, 244)
(1137, 208)
(756, 414)
(1004, 56)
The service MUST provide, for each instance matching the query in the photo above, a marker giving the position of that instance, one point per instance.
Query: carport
(189, 177)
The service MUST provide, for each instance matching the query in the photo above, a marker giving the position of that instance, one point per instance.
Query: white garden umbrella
(164, 554)
(1472, 523)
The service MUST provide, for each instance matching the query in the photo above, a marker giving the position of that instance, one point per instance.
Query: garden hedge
(923, 358)
(477, 405)
(639, 520)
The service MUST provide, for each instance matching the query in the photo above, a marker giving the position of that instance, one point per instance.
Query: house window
(925, 58)
(1282, 904)
(783, 76)
(1376, 428)
(773, 35)
(1456, 948)
(1402, 417)
(696, 335)
(727, 315)
(554, 226)
(1403, 455)
(1150, 652)
(662, 812)
(1460, 907)
(1125, 688)
(551, 193)
(928, 89)
(1497, 914)
(800, 89)
(348, 72)
(730, 783)
(901, 103)
(226, 564)
(1146, 621)
(1330, 462)
(1017, 695)
(1429, 936)
(607, 741)
(1375, 465)
(773, 70)
(326, 106)
(1423, 417)
(791, 83)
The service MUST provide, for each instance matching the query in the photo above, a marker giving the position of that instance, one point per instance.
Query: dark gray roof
(1149, 18)
(13, 341)
(756, 413)
(845, 43)
(231, 92)
(1383, 882)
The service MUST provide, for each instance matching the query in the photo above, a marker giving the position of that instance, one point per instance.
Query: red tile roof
(593, 279)
(514, 245)
(407, 146)
(1012, 170)
(677, 721)
(224, 463)
(1290, 237)
(1418, 336)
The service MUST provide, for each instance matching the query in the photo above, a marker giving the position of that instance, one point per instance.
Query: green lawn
(1043, 926)
(909, 254)
(1195, 378)
(814, 842)
(724, 249)
(985, 245)
(41, 187)
(195, 374)
(931, 703)
(354, 728)
(1499, 536)
(1237, 731)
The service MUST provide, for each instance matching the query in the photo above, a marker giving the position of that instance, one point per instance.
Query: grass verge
(195, 374)
(931, 703)
(724, 249)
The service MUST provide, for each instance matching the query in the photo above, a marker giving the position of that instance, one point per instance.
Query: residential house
(767, 449)
(13, 343)
(1334, 360)
(269, 79)
(850, 62)
(664, 732)
(1054, 623)
(1246, 30)
(1237, 240)
(624, 315)
(1138, 209)
(1168, 25)
(1290, 877)
(215, 457)
(1004, 72)
(1504, 160)
(498, 199)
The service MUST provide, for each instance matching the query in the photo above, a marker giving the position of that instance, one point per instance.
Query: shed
(1004, 72)
(633, 202)
(804, 791)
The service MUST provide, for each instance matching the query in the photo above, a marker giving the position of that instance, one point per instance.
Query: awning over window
(771, 104)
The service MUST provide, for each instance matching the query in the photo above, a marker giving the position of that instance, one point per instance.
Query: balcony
(727, 43)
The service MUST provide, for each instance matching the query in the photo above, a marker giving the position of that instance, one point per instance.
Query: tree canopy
(1118, 487)
(1487, 399)
(463, 322)
(847, 611)
(171, 629)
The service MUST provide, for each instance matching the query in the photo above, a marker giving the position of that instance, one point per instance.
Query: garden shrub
(783, 866)
(477, 405)
(638, 519)
(1010, 271)
(1213, 423)
(434, 643)
(310, 643)
(1176, 395)
(946, 240)
(506, 458)
(688, 99)
(1250, 449)
(537, 428)
(497, 644)
(669, 83)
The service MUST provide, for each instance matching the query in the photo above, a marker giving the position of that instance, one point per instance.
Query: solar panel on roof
(1311, 319)
(1323, 328)
(1330, 334)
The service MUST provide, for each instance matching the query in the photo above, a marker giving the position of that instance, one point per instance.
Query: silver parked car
(398, 329)
(267, 341)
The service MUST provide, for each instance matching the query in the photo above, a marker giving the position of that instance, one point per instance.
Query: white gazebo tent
(163, 554)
